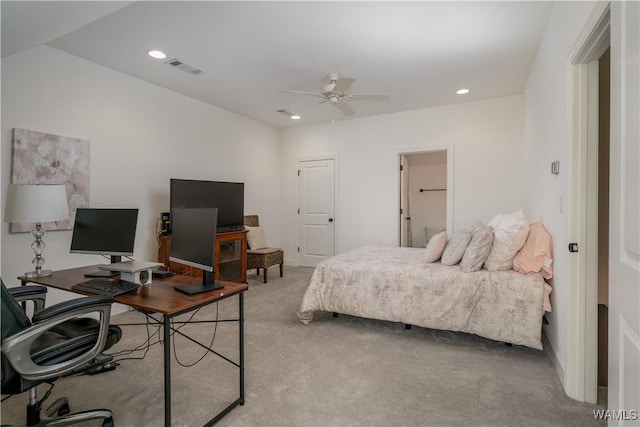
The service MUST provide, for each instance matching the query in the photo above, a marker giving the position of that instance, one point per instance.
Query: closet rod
(432, 189)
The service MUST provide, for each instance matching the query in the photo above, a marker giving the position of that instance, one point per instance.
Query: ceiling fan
(335, 92)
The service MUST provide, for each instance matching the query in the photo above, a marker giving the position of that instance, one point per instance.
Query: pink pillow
(435, 247)
(536, 254)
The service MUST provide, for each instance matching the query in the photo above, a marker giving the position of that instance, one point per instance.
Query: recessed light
(158, 54)
(462, 91)
(289, 114)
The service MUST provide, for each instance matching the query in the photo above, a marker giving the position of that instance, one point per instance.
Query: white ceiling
(419, 53)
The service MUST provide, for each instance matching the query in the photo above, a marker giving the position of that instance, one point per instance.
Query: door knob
(330, 219)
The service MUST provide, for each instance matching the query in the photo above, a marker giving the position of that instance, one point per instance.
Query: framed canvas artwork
(41, 158)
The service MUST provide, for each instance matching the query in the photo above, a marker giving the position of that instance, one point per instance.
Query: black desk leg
(241, 329)
(167, 370)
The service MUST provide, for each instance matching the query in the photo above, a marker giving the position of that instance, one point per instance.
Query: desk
(160, 297)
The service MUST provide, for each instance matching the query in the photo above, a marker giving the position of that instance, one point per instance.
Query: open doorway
(612, 24)
(589, 218)
(604, 115)
(423, 196)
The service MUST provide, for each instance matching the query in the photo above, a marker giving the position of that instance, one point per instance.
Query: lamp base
(35, 273)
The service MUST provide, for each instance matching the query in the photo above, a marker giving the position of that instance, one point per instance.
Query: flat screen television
(228, 197)
(103, 231)
(193, 235)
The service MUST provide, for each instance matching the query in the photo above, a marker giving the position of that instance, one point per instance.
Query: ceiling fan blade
(342, 84)
(369, 97)
(344, 109)
(303, 92)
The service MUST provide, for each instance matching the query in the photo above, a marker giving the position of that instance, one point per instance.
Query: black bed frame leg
(407, 326)
(335, 314)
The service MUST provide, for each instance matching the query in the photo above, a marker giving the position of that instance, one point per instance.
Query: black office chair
(54, 342)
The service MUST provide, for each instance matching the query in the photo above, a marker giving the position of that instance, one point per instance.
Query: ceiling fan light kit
(335, 93)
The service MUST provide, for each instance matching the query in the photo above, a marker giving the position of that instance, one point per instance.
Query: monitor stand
(106, 273)
(207, 284)
(102, 273)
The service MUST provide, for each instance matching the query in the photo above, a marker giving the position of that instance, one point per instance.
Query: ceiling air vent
(184, 67)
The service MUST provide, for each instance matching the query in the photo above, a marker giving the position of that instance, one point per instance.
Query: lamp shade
(36, 203)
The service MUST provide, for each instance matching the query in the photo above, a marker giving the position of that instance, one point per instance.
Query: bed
(395, 284)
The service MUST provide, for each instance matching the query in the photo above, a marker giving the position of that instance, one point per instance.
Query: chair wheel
(64, 410)
(108, 422)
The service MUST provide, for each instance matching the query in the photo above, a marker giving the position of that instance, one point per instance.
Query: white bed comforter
(395, 284)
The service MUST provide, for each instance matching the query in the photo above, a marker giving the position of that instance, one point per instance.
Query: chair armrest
(17, 347)
(35, 293)
(70, 305)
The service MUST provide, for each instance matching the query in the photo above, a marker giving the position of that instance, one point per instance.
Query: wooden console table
(230, 257)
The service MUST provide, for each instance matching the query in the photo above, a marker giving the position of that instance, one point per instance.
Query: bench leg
(265, 274)
(281, 270)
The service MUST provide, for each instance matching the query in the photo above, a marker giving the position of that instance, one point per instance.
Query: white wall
(487, 142)
(547, 138)
(141, 136)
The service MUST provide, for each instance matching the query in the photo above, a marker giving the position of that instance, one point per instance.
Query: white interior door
(404, 195)
(316, 211)
(624, 238)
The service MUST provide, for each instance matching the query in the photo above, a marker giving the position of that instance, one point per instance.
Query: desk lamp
(36, 203)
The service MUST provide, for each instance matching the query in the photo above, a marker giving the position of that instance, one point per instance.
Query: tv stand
(230, 257)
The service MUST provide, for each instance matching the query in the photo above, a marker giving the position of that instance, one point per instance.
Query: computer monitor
(228, 197)
(109, 232)
(105, 232)
(193, 235)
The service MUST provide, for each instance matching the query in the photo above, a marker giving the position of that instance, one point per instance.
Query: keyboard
(106, 287)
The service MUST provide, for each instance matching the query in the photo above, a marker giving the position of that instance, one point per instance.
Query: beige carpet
(342, 371)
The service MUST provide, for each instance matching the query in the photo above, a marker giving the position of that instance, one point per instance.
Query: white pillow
(478, 250)
(509, 234)
(256, 238)
(454, 251)
(435, 247)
